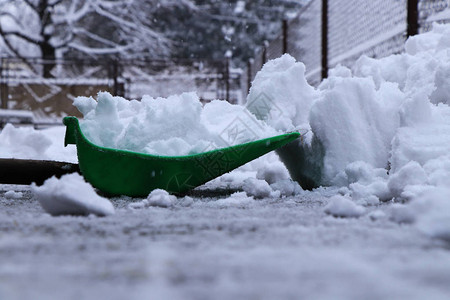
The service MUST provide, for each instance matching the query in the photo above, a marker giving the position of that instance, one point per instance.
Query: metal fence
(330, 32)
(376, 28)
(303, 39)
(24, 87)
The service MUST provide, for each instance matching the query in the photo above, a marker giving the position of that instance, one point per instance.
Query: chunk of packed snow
(177, 125)
(185, 201)
(281, 95)
(411, 174)
(272, 172)
(422, 142)
(233, 180)
(237, 200)
(71, 195)
(157, 197)
(366, 184)
(341, 206)
(354, 123)
(287, 187)
(161, 198)
(258, 188)
(13, 195)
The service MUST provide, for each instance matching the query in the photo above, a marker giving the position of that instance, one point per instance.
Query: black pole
(3, 87)
(324, 39)
(249, 74)
(115, 74)
(264, 55)
(227, 78)
(412, 18)
(285, 36)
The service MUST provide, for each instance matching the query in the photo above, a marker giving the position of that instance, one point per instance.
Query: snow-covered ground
(379, 228)
(216, 247)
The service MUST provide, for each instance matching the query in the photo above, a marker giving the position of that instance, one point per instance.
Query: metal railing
(24, 86)
(345, 30)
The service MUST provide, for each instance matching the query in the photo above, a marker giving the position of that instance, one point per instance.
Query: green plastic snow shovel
(120, 172)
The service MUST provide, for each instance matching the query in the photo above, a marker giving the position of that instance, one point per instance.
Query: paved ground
(211, 247)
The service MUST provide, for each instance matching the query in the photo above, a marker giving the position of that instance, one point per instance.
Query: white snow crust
(71, 195)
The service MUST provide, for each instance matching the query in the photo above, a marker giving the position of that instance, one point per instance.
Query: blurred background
(54, 50)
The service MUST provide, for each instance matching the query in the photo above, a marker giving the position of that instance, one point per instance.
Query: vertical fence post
(249, 74)
(412, 18)
(227, 75)
(115, 75)
(285, 37)
(3, 86)
(324, 39)
(264, 53)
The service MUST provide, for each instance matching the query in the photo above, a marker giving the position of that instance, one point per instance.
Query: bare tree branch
(22, 36)
(31, 5)
(95, 37)
(56, 3)
(8, 14)
(97, 51)
(73, 15)
(64, 43)
(100, 26)
(16, 53)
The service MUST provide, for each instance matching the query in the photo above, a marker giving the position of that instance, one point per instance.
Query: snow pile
(281, 95)
(356, 115)
(23, 142)
(13, 195)
(237, 200)
(380, 131)
(157, 197)
(271, 171)
(177, 125)
(340, 206)
(27, 142)
(258, 188)
(286, 188)
(354, 122)
(366, 185)
(71, 195)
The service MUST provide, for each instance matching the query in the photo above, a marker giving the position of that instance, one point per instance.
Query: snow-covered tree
(240, 26)
(82, 28)
(203, 29)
